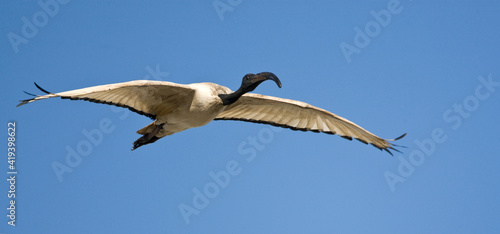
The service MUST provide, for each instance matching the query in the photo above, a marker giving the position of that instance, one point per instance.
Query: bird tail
(149, 128)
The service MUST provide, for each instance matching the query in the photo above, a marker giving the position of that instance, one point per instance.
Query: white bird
(178, 107)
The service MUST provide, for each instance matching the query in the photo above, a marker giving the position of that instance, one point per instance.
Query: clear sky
(427, 68)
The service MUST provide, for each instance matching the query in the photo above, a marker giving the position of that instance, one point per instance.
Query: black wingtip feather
(40, 88)
(22, 102)
(388, 151)
(34, 95)
(394, 145)
(400, 137)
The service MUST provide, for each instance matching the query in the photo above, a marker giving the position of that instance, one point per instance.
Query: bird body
(196, 110)
(178, 107)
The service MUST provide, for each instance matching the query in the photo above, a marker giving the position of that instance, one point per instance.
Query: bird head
(251, 81)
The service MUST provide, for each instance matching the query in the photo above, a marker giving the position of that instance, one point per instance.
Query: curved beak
(270, 76)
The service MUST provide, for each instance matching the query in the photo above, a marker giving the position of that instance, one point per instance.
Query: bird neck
(228, 99)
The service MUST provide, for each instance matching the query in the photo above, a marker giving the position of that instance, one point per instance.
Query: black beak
(269, 76)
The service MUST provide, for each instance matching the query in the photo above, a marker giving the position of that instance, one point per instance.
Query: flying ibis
(178, 107)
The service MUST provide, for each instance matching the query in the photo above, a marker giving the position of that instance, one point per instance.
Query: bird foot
(148, 138)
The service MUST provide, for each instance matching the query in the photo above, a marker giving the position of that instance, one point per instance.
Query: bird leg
(148, 138)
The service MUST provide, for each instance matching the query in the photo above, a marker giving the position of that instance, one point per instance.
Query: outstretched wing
(297, 115)
(146, 97)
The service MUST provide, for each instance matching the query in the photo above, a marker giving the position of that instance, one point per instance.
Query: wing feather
(146, 97)
(299, 116)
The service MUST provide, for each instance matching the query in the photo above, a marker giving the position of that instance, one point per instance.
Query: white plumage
(178, 107)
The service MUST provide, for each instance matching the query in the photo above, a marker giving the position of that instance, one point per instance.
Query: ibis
(178, 107)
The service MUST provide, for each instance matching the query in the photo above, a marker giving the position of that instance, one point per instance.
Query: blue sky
(430, 69)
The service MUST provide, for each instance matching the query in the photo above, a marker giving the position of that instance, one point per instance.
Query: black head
(251, 81)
